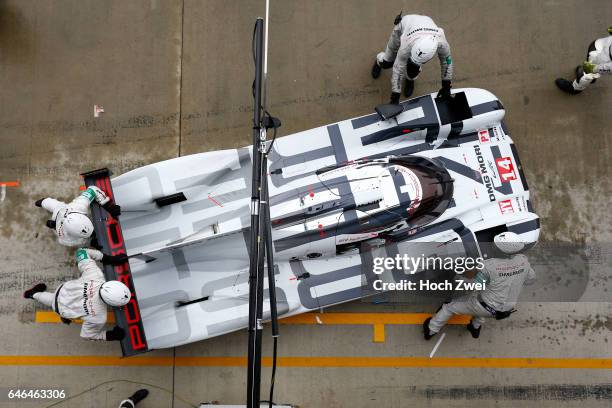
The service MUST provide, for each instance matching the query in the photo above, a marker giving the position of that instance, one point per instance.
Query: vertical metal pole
(267, 225)
(269, 249)
(261, 236)
(256, 241)
(265, 56)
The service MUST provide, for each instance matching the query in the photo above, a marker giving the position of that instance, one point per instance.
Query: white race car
(427, 171)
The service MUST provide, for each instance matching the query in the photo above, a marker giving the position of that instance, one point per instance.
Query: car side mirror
(388, 111)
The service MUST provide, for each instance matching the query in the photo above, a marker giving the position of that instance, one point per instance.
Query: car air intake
(170, 199)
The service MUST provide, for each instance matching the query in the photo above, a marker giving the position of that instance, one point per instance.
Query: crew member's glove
(101, 196)
(117, 334)
(589, 67)
(395, 98)
(65, 321)
(114, 259)
(445, 92)
(38, 203)
(591, 77)
(113, 209)
(50, 224)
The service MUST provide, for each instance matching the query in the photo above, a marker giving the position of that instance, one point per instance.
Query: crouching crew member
(87, 298)
(598, 61)
(71, 221)
(503, 277)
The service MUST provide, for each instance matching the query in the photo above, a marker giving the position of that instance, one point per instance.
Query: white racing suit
(60, 211)
(503, 279)
(600, 54)
(400, 44)
(80, 298)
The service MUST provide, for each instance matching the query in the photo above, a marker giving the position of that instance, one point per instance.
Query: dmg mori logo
(483, 171)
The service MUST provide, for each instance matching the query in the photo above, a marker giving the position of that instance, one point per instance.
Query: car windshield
(417, 190)
(412, 190)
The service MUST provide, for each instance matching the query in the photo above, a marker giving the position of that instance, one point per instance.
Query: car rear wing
(110, 237)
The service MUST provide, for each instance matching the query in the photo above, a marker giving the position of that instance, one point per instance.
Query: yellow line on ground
(311, 318)
(363, 362)
(379, 333)
(52, 317)
(377, 320)
(366, 318)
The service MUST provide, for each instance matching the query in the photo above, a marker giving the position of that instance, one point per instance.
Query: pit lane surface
(174, 78)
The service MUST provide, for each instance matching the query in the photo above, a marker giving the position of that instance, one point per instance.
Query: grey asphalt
(174, 78)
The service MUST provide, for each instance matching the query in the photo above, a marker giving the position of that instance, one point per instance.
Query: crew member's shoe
(474, 331)
(376, 70)
(29, 294)
(408, 88)
(427, 334)
(139, 395)
(566, 86)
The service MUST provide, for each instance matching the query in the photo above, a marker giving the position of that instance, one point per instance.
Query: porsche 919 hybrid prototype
(428, 170)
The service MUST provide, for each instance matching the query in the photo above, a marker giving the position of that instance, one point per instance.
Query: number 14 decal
(505, 168)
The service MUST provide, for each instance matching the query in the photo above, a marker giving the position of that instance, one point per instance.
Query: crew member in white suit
(503, 278)
(598, 62)
(415, 40)
(87, 297)
(71, 221)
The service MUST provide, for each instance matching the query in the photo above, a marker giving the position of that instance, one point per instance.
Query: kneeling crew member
(504, 278)
(71, 221)
(599, 61)
(414, 40)
(87, 298)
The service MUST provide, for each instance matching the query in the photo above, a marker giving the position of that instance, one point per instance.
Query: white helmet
(509, 242)
(76, 225)
(115, 293)
(424, 49)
